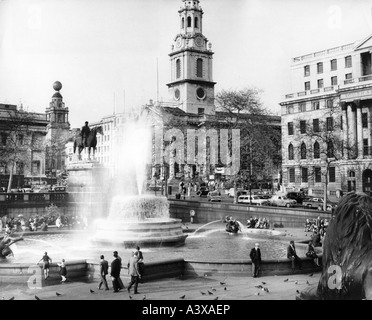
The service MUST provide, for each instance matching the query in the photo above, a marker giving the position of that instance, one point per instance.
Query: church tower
(192, 85)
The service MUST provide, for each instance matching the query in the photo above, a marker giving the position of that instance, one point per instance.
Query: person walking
(115, 272)
(62, 270)
(103, 272)
(141, 265)
(133, 272)
(46, 264)
(255, 256)
(121, 284)
(292, 255)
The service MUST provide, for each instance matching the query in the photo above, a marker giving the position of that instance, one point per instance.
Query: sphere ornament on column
(57, 85)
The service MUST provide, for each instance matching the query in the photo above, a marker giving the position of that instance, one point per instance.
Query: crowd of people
(258, 223)
(317, 225)
(41, 223)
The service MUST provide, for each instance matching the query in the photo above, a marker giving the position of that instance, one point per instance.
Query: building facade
(334, 87)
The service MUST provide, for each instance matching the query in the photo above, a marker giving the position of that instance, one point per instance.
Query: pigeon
(210, 292)
(257, 294)
(311, 274)
(37, 298)
(130, 297)
(307, 282)
(213, 289)
(225, 288)
(222, 283)
(12, 298)
(296, 282)
(263, 282)
(259, 287)
(203, 293)
(144, 297)
(216, 298)
(297, 291)
(205, 274)
(266, 290)
(91, 291)
(58, 294)
(183, 297)
(285, 280)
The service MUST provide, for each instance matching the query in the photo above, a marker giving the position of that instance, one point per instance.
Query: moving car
(318, 203)
(282, 201)
(239, 192)
(254, 199)
(214, 196)
(298, 196)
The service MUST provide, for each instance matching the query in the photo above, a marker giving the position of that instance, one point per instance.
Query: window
(332, 174)
(365, 120)
(183, 23)
(290, 152)
(315, 105)
(320, 83)
(196, 22)
(319, 67)
(341, 123)
(316, 125)
(35, 168)
(19, 168)
(333, 64)
(334, 81)
(348, 76)
(352, 174)
(329, 103)
(303, 151)
(200, 111)
(290, 109)
(306, 71)
(20, 139)
(291, 173)
(3, 168)
(365, 147)
(348, 63)
(3, 138)
(329, 124)
(330, 150)
(199, 68)
(302, 107)
(303, 126)
(178, 68)
(189, 22)
(307, 86)
(318, 174)
(304, 175)
(316, 150)
(290, 128)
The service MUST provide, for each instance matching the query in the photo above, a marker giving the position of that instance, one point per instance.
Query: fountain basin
(150, 232)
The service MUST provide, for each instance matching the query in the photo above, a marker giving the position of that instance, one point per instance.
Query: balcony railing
(33, 197)
(309, 92)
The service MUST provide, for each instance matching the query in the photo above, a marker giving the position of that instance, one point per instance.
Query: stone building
(333, 86)
(45, 138)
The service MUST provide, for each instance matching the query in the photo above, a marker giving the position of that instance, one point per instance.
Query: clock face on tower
(178, 42)
(199, 41)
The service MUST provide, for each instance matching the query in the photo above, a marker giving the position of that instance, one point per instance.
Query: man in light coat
(133, 272)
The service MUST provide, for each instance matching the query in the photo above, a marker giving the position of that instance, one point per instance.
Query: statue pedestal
(88, 189)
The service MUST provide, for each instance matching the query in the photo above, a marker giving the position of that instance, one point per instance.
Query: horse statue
(347, 253)
(91, 142)
(5, 242)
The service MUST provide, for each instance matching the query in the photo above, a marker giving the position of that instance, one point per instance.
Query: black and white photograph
(185, 154)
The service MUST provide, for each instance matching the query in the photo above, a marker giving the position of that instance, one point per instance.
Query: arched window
(330, 150)
(290, 152)
(183, 23)
(316, 150)
(199, 67)
(196, 22)
(178, 68)
(351, 174)
(189, 22)
(303, 150)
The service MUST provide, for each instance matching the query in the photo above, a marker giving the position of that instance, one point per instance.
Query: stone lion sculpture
(347, 253)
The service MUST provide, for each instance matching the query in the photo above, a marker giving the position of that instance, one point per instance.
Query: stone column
(352, 126)
(345, 129)
(359, 128)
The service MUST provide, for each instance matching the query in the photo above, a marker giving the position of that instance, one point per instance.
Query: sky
(112, 55)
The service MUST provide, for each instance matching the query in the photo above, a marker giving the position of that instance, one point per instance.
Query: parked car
(298, 196)
(282, 201)
(42, 189)
(58, 189)
(214, 196)
(318, 203)
(254, 199)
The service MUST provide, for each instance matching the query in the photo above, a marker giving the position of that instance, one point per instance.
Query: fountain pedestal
(88, 189)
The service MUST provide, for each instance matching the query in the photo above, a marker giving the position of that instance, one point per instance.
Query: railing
(365, 78)
(309, 92)
(33, 197)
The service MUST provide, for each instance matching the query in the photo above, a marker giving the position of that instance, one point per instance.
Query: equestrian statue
(87, 139)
